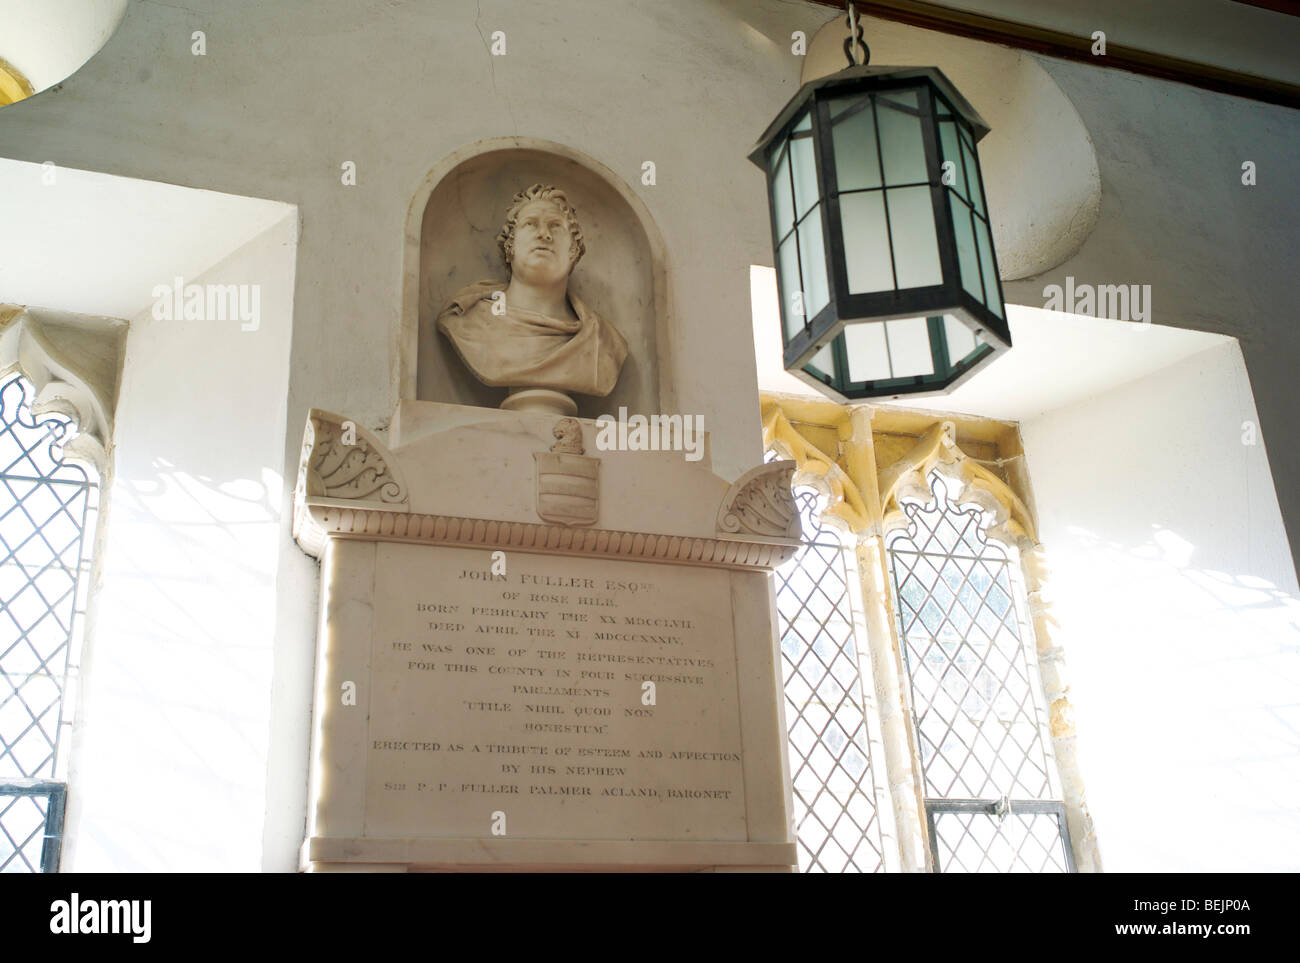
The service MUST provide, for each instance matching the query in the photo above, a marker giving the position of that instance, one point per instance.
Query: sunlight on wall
(183, 670)
(1179, 612)
(173, 770)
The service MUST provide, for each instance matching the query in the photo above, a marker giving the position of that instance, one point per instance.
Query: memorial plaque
(525, 693)
(532, 657)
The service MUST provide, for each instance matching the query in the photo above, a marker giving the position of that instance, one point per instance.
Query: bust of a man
(531, 332)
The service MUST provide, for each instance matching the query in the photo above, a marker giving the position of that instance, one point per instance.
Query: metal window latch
(1001, 808)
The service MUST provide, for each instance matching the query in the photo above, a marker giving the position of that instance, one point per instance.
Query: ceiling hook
(854, 39)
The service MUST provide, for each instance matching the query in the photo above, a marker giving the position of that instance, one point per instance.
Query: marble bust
(532, 332)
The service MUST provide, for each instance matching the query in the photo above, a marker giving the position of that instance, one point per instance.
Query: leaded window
(47, 507)
(831, 729)
(992, 797)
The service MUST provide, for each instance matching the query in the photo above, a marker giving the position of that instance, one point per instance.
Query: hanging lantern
(885, 263)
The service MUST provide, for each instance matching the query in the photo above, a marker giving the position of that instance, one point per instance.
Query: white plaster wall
(1218, 255)
(1179, 613)
(172, 763)
(289, 91)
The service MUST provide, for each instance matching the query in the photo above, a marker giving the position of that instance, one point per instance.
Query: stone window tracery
(973, 737)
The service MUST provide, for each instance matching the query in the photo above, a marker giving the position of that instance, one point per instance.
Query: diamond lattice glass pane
(983, 843)
(978, 726)
(44, 506)
(836, 822)
(22, 833)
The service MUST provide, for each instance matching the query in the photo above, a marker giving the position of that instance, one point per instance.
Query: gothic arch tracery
(836, 449)
(74, 371)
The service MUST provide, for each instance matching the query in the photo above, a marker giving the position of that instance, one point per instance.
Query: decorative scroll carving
(342, 460)
(761, 503)
(342, 463)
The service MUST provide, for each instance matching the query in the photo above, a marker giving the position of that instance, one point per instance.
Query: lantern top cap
(860, 78)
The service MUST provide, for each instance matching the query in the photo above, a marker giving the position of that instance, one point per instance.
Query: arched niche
(1039, 164)
(451, 233)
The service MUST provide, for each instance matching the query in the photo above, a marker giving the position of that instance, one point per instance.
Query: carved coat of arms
(568, 481)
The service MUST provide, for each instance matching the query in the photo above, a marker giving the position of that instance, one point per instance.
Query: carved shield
(568, 488)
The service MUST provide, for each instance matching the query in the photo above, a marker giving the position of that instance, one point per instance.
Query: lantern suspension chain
(854, 42)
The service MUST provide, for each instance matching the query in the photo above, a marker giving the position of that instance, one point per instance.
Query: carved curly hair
(540, 192)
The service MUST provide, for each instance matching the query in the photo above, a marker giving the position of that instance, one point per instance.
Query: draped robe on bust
(524, 349)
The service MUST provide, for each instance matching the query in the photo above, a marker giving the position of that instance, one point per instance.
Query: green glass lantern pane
(991, 298)
(977, 196)
(857, 164)
(812, 254)
(782, 200)
(952, 152)
(866, 242)
(916, 245)
(901, 145)
(961, 340)
(787, 263)
(868, 358)
(803, 165)
(909, 347)
(822, 364)
(894, 349)
(967, 255)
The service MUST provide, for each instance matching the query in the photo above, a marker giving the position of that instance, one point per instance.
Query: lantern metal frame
(843, 308)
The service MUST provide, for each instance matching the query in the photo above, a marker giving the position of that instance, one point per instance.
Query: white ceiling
(1057, 359)
(96, 244)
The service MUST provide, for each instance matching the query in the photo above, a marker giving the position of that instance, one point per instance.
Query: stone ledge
(320, 519)
(542, 854)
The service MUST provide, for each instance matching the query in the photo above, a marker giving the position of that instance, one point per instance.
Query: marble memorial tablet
(526, 694)
(535, 653)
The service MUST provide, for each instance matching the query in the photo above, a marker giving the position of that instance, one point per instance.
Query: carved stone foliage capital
(907, 480)
(845, 499)
(74, 362)
(761, 504)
